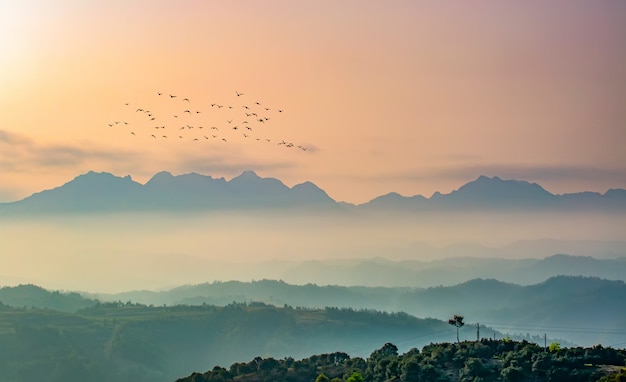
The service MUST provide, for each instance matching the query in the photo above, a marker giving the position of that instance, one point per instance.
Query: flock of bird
(183, 122)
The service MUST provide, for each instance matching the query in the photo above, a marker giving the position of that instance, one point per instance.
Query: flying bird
(238, 94)
(186, 99)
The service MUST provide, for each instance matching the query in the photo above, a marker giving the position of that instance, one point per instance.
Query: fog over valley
(114, 251)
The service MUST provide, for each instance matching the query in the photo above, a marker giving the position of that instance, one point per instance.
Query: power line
(565, 329)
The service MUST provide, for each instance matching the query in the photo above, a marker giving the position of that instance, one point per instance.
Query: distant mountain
(104, 192)
(449, 270)
(100, 192)
(562, 304)
(486, 193)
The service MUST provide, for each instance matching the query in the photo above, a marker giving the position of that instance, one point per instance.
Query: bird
(153, 136)
(214, 128)
(132, 132)
(172, 96)
(159, 93)
(186, 99)
(165, 136)
(280, 110)
(187, 111)
(238, 94)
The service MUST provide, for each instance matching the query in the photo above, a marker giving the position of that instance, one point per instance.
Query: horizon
(409, 97)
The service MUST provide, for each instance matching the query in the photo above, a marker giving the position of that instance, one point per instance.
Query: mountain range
(94, 192)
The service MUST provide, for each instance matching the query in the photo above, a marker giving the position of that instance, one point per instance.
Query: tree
(322, 378)
(554, 347)
(355, 377)
(457, 321)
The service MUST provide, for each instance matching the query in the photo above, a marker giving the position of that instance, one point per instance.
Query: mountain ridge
(103, 191)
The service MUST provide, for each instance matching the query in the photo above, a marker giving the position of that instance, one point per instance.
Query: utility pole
(477, 332)
(545, 342)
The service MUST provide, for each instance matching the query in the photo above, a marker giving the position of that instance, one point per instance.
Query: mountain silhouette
(486, 193)
(99, 192)
(104, 192)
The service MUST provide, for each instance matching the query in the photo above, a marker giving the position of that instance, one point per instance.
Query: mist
(118, 252)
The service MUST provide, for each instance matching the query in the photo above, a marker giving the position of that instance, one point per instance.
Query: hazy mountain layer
(582, 310)
(93, 192)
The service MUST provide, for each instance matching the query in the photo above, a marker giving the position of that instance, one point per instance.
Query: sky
(376, 96)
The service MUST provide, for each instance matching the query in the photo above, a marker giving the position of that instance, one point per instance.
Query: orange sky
(405, 96)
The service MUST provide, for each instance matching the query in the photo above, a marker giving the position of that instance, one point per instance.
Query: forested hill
(487, 360)
(581, 310)
(29, 295)
(113, 342)
(584, 310)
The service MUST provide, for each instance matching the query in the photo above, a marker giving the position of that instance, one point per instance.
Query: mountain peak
(496, 189)
(248, 174)
(160, 177)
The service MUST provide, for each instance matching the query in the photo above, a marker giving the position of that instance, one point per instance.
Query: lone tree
(457, 321)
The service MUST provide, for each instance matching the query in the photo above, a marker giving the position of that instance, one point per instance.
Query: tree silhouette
(457, 321)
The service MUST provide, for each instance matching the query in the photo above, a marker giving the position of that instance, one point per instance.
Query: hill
(34, 296)
(487, 360)
(584, 310)
(124, 341)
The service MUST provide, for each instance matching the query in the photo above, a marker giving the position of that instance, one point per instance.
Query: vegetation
(562, 302)
(487, 360)
(126, 341)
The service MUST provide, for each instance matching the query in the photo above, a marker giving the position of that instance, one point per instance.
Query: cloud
(21, 154)
(11, 138)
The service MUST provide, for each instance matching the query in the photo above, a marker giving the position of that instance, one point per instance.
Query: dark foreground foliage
(487, 360)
